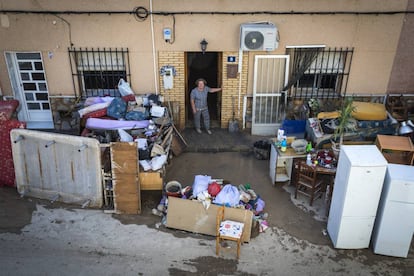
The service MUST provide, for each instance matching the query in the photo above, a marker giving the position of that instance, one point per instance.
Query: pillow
(369, 111)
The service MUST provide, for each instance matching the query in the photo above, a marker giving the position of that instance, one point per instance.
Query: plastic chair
(228, 230)
(307, 182)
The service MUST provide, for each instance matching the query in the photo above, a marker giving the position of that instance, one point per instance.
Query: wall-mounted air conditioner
(258, 37)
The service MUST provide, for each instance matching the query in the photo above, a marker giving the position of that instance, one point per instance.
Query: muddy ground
(38, 237)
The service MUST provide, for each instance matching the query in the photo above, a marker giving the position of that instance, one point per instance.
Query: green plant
(344, 118)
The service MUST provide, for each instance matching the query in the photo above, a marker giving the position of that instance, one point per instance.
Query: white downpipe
(240, 69)
(154, 56)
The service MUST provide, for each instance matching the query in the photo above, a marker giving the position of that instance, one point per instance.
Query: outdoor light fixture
(203, 45)
(404, 129)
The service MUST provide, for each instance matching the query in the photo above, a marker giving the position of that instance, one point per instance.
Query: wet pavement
(221, 140)
(46, 237)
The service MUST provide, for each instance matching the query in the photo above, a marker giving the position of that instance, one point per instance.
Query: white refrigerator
(357, 190)
(394, 225)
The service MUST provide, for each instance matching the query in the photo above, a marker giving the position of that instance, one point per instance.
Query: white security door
(270, 77)
(28, 80)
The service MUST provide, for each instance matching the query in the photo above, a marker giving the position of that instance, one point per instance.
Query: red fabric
(7, 108)
(129, 98)
(96, 114)
(7, 176)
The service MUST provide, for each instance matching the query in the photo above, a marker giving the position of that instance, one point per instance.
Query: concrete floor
(40, 237)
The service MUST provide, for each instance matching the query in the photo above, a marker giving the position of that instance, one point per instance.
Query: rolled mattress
(369, 111)
(104, 124)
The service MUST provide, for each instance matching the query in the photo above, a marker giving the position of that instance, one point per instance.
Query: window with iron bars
(96, 72)
(319, 73)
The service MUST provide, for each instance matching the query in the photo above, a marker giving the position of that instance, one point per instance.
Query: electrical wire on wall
(69, 28)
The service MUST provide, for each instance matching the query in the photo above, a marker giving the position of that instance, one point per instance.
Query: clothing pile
(209, 191)
(131, 118)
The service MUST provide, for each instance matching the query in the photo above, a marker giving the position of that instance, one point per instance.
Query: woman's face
(200, 85)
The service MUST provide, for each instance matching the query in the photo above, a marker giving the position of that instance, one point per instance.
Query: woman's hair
(200, 79)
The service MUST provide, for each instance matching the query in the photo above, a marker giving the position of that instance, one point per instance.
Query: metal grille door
(270, 76)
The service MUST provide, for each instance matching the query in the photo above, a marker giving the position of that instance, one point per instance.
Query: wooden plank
(125, 171)
(126, 185)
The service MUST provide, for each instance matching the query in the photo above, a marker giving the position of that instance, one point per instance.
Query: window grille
(96, 72)
(324, 75)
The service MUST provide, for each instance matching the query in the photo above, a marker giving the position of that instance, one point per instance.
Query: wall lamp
(203, 45)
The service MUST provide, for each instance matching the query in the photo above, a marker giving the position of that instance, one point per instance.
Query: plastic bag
(124, 88)
(124, 136)
(228, 196)
(200, 184)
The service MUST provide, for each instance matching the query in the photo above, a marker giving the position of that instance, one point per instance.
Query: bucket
(173, 188)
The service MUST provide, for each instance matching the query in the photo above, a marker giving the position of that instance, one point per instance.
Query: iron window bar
(97, 71)
(325, 77)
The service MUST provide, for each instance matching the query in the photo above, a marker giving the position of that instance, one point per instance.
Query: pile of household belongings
(209, 191)
(138, 118)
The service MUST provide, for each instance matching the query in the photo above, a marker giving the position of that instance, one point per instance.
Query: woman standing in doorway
(199, 105)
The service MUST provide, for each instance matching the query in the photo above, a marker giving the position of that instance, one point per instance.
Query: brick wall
(230, 85)
(177, 94)
(231, 90)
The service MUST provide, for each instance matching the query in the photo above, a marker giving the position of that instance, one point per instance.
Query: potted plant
(343, 122)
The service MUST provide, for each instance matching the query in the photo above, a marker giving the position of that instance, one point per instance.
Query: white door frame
(268, 128)
(35, 118)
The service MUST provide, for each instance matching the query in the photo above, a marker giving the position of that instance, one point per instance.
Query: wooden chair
(228, 230)
(307, 182)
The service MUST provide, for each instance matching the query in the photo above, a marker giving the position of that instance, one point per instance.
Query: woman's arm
(214, 90)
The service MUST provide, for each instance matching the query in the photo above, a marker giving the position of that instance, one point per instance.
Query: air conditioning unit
(258, 37)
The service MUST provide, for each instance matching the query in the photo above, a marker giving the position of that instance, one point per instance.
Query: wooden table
(396, 149)
(331, 172)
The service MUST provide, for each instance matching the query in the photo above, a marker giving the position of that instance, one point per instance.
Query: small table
(281, 163)
(396, 149)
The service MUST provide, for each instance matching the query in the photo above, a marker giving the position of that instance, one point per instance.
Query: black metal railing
(325, 77)
(96, 71)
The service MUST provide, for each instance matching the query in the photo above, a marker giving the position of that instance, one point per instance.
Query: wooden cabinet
(396, 149)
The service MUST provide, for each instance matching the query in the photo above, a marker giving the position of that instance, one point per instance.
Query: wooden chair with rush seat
(228, 230)
(308, 183)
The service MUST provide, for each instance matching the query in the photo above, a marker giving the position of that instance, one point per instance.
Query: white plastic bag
(228, 196)
(124, 136)
(124, 88)
(200, 184)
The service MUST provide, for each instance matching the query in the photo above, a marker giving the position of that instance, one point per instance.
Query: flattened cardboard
(191, 216)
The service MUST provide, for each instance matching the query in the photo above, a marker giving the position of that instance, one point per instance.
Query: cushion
(369, 111)
(229, 228)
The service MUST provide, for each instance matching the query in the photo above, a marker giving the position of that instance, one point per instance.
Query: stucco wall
(374, 37)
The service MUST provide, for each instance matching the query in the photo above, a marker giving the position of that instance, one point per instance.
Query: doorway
(206, 66)
(28, 81)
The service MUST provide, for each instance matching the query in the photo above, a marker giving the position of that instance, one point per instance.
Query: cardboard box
(190, 215)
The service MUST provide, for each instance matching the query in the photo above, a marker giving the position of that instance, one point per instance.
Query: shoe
(198, 130)
(209, 131)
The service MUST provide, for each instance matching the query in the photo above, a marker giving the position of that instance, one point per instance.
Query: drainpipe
(154, 57)
(240, 80)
